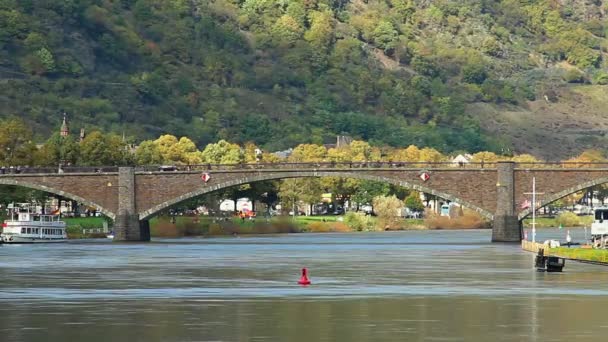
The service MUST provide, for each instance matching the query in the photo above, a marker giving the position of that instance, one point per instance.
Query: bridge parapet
(388, 165)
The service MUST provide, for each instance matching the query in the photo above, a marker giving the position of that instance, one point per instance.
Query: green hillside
(283, 72)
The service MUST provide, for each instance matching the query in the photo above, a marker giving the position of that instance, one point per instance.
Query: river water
(390, 286)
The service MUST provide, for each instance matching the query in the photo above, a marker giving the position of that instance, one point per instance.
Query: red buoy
(304, 278)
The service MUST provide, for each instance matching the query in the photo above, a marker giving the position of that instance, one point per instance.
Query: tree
(485, 157)
(474, 73)
(525, 159)
(320, 33)
(290, 193)
(46, 59)
(18, 194)
(308, 153)
(362, 151)
(174, 151)
(388, 209)
(295, 190)
(587, 156)
(368, 190)
(97, 149)
(222, 152)
(147, 153)
(287, 29)
(601, 192)
(413, 201)
(385, 36)
(58, 150)
(16, 146)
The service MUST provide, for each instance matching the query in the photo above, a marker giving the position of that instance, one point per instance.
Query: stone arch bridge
(131, 196)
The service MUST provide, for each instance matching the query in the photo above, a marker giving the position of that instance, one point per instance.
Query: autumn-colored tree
(388, 210)
(97, 149)
(223, 152)
(174, 151)
(588, 156)
(486, 158)
(147, 153)
(293, 191)
(58, 150)
(16, 146)
(308, 153)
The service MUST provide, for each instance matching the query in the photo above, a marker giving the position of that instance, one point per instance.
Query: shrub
(601, 78)
(327, 227)
(568, 219)
(574, 76)
(469, 220)
(216, 229)
(358, 221)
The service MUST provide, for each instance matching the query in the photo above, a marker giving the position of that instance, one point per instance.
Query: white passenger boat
(599, 228)
(24, 226)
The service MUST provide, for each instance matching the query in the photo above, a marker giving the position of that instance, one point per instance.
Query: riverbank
(204, 225)
(583, 253)
(178, 226)
(554, 222)
(74, 226)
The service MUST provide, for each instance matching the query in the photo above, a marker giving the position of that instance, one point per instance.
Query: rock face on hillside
(395, 72)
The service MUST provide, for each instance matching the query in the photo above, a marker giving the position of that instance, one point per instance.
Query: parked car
(367, 209)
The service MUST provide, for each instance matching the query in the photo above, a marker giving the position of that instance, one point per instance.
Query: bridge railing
(59, 170)
(563, 165)
(245, 166)
(313, 165)
(297, 166)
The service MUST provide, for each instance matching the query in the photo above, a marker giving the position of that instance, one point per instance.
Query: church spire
(65, 131)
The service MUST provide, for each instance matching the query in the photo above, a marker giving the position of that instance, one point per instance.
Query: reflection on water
(432, 285)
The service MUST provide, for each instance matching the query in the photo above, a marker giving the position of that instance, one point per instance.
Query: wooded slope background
(453, 75)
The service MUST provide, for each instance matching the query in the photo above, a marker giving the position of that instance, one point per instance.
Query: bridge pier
(127, 226)
(506, 226)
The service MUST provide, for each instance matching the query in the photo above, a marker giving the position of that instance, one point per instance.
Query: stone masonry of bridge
(131, 197)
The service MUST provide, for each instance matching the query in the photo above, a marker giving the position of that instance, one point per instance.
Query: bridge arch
(312, 173)
(57, 192)
(554, 197)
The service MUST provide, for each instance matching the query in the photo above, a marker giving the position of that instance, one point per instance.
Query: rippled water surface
(393, 286)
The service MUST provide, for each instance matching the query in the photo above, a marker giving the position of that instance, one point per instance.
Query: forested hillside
(284, 72)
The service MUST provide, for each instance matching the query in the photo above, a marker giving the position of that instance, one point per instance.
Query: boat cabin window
(22, 230)
(601, 215)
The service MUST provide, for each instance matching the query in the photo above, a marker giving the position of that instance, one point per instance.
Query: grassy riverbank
(586, 254)
(75, 226)
(554, 222)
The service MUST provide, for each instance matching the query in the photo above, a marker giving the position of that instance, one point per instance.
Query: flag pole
(533, 209)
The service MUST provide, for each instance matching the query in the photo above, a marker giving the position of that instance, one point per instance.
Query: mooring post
(127, 226)
(506, 226)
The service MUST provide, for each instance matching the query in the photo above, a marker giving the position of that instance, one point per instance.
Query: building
(462, 159)
(65, 130)
(283, 154)
(342, 141)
